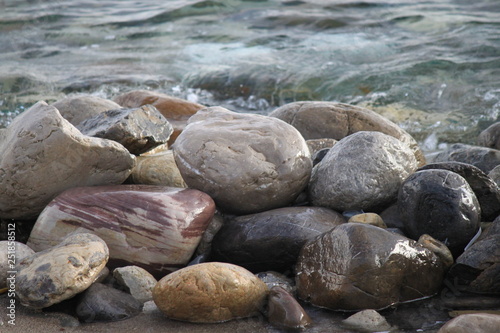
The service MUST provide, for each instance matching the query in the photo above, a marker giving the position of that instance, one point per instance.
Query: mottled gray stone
(209, 293)
(137, 281)
(271, 240)
(483, 158)
(155, 227)
(490, 137)
(357, 266)
(316, 145)
(247, 163)
(11, 252)
(59, 273)
(317, 120)
(157, 169)
(442, 204)
(494, 174)
(43, 154)
(76, 109)
(473, 322)
(361, 172)
(137, 129)
(102, 303)
(205, 247)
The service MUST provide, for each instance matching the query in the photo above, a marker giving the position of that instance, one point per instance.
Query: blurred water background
(432, 66)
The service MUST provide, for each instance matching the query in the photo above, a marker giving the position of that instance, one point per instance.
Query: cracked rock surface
(247, 163)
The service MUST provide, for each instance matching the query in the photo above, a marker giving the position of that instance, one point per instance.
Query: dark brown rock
(271, 240)
(357, 266)
(442, 204)
(154, 227)
(285, 311)
(485, 189)
(137, 129)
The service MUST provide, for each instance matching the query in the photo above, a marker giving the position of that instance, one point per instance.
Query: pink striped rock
(155, 227)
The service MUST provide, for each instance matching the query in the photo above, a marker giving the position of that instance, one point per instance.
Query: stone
(439, 249)
(102, 303)
(391, 217)
(154, 227)
(490, 137)
(316, 145)
(284, 310)
(76, 109)
(43, 155)
(10, 253)
(367, 321)
(176, 110)
(477, 323)
(275, 279)
(494, 174)
(319, 156)
(361, 172)
(271, 240)
(137, 129)
(157, 169)
(137, 281)
(60, 272)
(478, 268)
(205, 247)
(368, 218)
(442, 204)
(485, 189)
(358, 266)
(210, 293)
(317, 120)
(483, 158)
(247, 163)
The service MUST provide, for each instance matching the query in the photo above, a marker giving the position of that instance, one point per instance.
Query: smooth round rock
(210, 293)
(474, 322)
(247, 163)
(317, 120)
(494, 174)
(358, 266)
(368, 218)
(42, 155)
(10, 253)
(483, 158)
(367, 321)
(490, 137)
(442, 204)
(76, 109)
(361, 172)
(59, 273)
(102, 303)
(157, 169)
(485, 189)
(284, 310)
(137, 281)
(271, 240)
(439, 249)
(275, 279)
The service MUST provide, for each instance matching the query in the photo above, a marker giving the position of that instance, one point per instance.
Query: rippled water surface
(431, 66)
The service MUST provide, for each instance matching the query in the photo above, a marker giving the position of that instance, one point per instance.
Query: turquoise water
(431, 66)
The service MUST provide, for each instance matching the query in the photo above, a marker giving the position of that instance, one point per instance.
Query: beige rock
(316, 145)
(439, 249)
(477, 323)
(51, 276)
(42, 155)
(316, 120)
(11, 252)
(367, 321)
(137, 281)
(247, 163)
(368, 218)
(176, 110)
(76, 109)
(157, 169)
(209, 293)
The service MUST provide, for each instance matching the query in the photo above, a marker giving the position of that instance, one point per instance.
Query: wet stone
(368, 218)
(357, 266)
(275, 279)
(271, 240)
(483, 158)
(485, 189)
(495, 175)
(137, 129)
(361, 172)
(102, 303)
(442, 204)
(210, 293)
(285, 311)
(439, 249)
(59, 273)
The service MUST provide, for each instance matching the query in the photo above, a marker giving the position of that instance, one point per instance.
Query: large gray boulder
(247, 163)
(361, 172)
(317, 120)
(42, 154)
